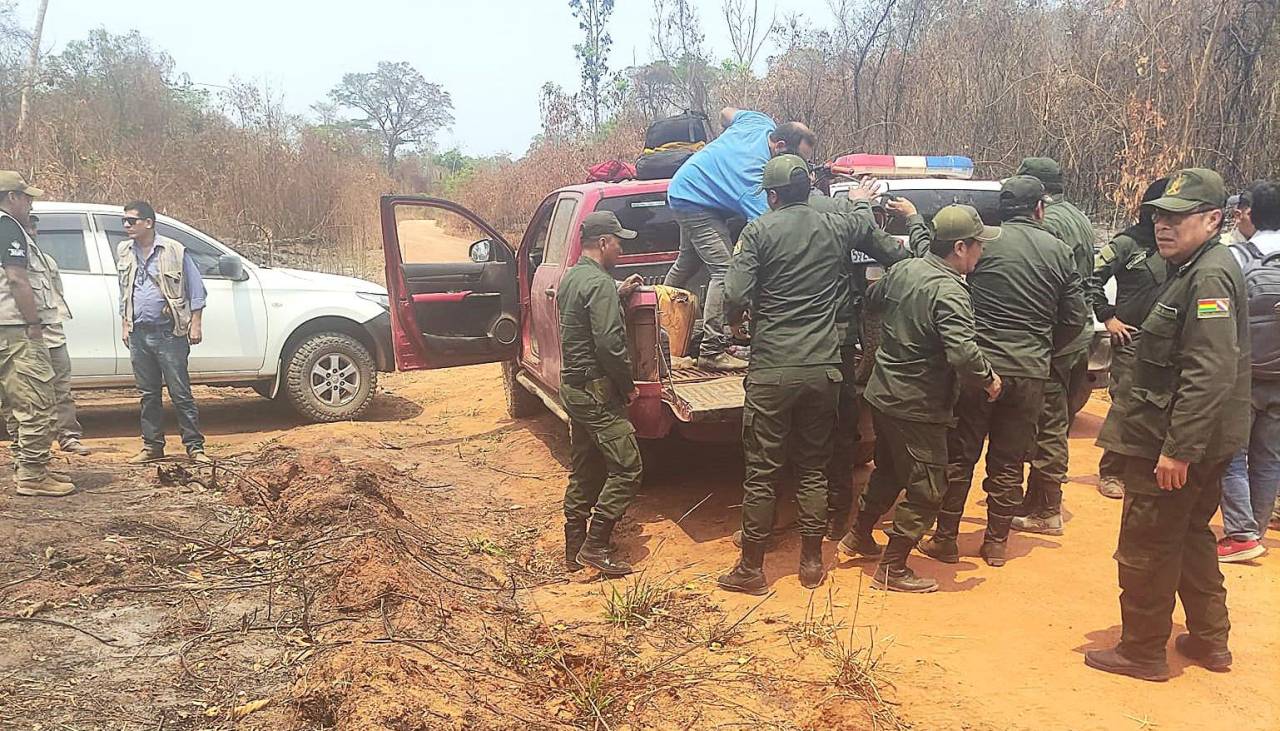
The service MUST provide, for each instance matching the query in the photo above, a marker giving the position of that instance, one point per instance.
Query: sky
(492, 56)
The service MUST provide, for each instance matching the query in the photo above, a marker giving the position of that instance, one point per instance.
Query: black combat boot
(996, 539)
(748, 575)
(575, 534)
(859, 541)
(597, 553)
(1217, 659)
(893, 573)
(812, 571)
(1032, 501)
(942, 546)
(837, 523)
(1112, 661)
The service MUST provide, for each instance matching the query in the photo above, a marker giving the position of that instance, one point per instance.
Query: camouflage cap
(1044, 169)
(777, 172)
(1191, 189)
(1021, 192)
(604, 223)
(957, 222)
(13, 180)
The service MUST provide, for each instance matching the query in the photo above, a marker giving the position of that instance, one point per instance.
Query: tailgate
(696, 395)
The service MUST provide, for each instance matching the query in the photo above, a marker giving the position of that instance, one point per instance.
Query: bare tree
(746, 38)
(399, 103)
(33, 68)
(593, 53)
(677, 36)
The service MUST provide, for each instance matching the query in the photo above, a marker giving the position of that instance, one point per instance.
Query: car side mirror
(231, 267)
(481, 252)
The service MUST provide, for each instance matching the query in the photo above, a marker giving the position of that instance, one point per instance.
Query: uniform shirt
(788, 273)
(725, 175)
(882, 247)
(1027, 299)
(1073, 228)
(1190, 396)
(1132, 258)
(927, 342)
(13, 244)
(149, 306)
(593, 339)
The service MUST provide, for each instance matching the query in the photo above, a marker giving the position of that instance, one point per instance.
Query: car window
(929, 202)
(648, 215)
(558, 239)
(62, 236)
(202, 252)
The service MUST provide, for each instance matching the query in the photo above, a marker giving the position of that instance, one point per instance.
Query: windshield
(929, 201)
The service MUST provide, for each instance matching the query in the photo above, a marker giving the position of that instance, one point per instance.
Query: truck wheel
(330, 377)
(520, 403)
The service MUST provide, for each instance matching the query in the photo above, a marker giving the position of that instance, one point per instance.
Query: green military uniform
(1189, 401)
(1070, 364)
(1028, 301)
(1132, 259)
(595, 380)
(926, 352)
(886, 251)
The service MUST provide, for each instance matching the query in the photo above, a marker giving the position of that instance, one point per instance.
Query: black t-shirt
(13, 244)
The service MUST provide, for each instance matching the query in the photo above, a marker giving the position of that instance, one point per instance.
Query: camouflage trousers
(26, 385)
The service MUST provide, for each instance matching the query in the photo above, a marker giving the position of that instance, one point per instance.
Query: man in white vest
(162, 299)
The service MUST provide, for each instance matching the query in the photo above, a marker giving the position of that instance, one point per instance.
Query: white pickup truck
(314, 340)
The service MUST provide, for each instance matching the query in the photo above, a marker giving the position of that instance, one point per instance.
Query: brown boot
(46, 486)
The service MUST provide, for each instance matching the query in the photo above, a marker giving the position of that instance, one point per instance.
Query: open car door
(451, 280)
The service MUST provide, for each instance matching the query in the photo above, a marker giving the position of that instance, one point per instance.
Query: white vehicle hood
(296, 279)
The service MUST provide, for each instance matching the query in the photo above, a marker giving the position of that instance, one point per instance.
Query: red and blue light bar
(905, 166)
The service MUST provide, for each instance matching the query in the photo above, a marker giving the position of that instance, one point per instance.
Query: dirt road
(401, 573)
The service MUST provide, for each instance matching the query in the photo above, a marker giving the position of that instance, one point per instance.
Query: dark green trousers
(1048, 471)
(844, 437)
(604, 457)
(911, 456)
(788, 411)
(1008, 428)
(1120, 380)
(1166, 548)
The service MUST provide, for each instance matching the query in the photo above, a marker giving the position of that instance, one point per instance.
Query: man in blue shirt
(162, 298)
(721, 181)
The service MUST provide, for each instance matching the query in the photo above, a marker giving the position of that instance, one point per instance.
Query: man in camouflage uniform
(1186, 414)
(927, 351)
(596, 387)
(1042, 508)
(1027, 302)
(1132, 259)
(27, 305)
(788, 273)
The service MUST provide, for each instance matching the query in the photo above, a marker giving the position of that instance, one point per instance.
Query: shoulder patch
(1106, 255)
(1207, 309)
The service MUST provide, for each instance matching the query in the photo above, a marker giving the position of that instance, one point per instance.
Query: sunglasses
(131, 220)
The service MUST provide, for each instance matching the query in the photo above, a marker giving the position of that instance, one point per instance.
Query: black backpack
(689, 129)
(1262, 284)
(661, 165)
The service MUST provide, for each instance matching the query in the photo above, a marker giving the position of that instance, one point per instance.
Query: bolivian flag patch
(1211, 308)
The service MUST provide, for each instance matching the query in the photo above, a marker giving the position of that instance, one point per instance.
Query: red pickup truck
(498, 303)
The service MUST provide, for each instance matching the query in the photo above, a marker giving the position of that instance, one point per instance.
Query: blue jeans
(160, 358)
(1253, 478)
(704, 241)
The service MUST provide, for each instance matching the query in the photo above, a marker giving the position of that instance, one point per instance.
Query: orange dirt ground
(384, 524)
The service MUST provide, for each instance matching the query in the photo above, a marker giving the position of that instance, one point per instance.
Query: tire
(306, 378)
(520, 403)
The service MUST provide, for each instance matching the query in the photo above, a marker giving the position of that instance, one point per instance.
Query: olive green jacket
(789, 271)
(1132, 259)
(1028, 300)
(593, 339)
(927, 348)
(1190, 398)
(1073, 228)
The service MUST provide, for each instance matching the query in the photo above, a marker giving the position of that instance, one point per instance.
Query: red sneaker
(1234, 549)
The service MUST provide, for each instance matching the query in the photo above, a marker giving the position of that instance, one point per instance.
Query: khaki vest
(42, 287)
(172, 282)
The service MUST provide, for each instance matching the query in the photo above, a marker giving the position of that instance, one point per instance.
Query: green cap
(1045, 169)
(957, 222)
(604, 223)
(1190, 189)
(13, 180)
(1021, 192)
(777, 172)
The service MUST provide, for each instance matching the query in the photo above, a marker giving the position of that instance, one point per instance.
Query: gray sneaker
(1049, 525)
(721, 362)
(1111, 487)
(76, 447)
(146, 455)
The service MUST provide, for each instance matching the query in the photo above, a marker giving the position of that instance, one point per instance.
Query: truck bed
(698, 395)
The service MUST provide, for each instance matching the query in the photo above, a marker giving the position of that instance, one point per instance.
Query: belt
(153, 327)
